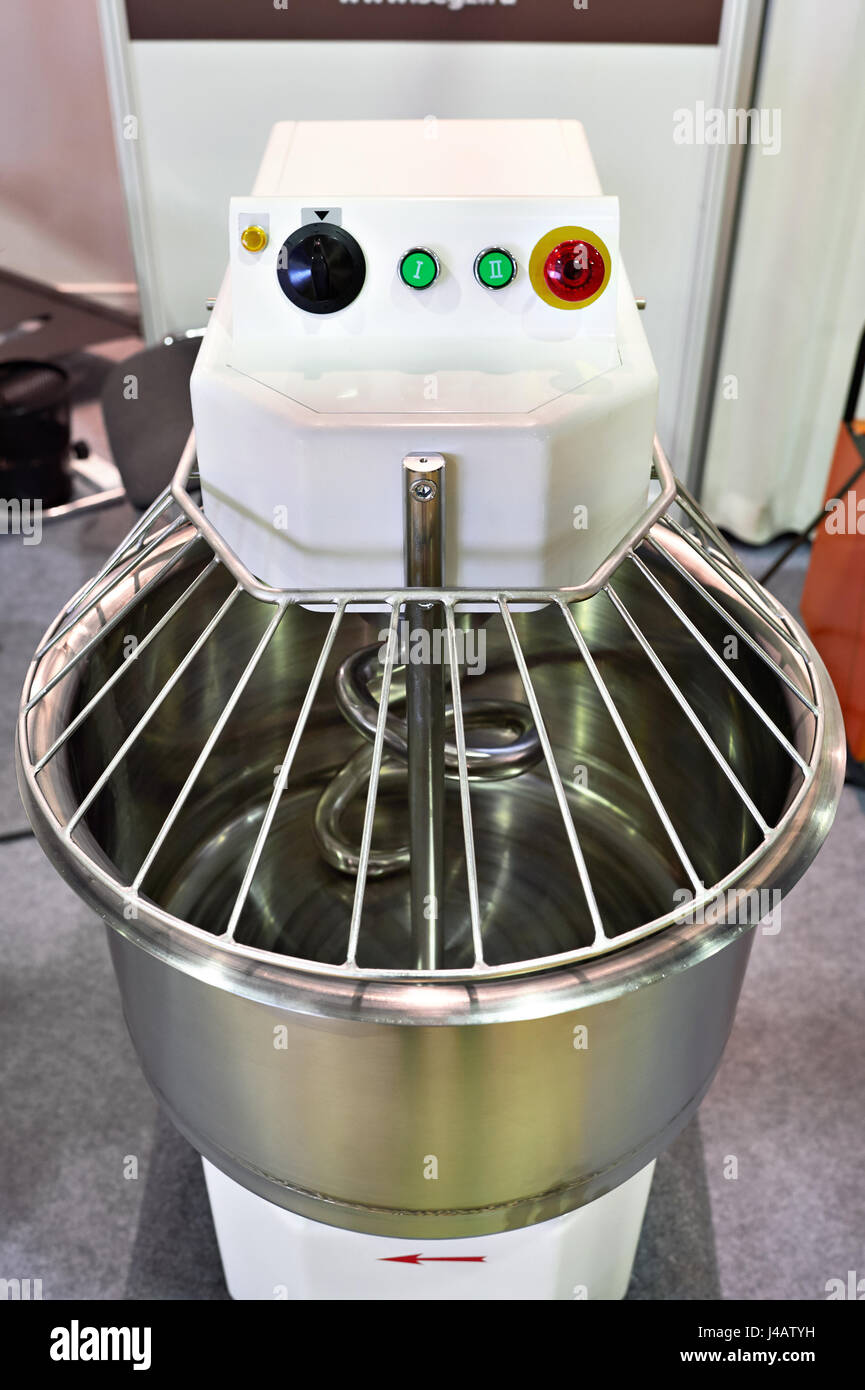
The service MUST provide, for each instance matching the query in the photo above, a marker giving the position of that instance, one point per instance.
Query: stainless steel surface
(275, 1003)
(423, 484)
(92, 502)
(510, 747)
(338, 1122)
(514, 749)
(418, 740)
(424, 481)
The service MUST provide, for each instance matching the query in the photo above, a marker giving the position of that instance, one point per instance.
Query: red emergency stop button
(569, 268)
(574, 270)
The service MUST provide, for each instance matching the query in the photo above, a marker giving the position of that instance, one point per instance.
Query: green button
(418, 268)
(495, 268)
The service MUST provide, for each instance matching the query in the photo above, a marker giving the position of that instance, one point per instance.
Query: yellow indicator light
(253, 238)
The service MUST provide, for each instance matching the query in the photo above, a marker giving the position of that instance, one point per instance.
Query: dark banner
(234, 1343)
(503, 21)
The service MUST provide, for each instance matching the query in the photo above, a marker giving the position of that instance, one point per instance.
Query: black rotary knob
(320, 269)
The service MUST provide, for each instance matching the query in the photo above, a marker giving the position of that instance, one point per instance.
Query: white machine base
(270, 1253)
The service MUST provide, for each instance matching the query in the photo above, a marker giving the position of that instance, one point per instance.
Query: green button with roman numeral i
(418, 268)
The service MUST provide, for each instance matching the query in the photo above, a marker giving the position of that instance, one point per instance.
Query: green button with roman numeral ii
(419, 268)
(495, 268)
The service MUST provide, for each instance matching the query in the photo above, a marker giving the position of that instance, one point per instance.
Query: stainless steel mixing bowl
(327, 1088)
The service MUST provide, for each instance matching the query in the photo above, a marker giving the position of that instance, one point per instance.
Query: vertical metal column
(424, 496)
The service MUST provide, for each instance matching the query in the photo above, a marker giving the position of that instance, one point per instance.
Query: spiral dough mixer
(429, 755)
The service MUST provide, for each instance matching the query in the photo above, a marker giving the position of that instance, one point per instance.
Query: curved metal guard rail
(154, 529)
(247, 580)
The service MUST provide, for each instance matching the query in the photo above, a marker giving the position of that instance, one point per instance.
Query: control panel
(404, 271)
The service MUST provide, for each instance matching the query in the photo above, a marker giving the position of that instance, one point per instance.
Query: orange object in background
(833, 601)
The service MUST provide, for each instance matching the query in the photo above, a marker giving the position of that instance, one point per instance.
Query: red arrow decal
(435, 1259)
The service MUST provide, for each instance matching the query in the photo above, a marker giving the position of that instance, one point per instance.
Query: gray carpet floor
(787, 1103)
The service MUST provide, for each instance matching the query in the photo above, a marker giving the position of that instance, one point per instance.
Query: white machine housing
(544, 413)
(270, 1253)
